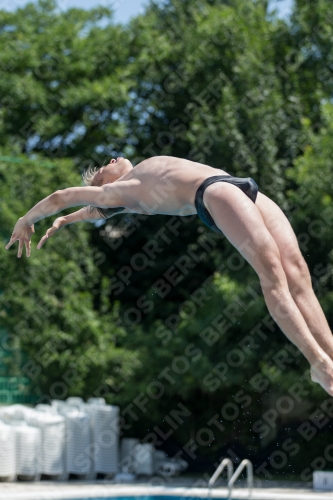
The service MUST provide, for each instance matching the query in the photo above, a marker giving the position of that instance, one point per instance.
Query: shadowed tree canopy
(219, 82)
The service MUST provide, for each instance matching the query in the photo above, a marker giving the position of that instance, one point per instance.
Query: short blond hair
(89, 174)
(105, 213)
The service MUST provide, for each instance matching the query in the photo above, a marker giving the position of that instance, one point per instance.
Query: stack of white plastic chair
(78, 437)
(57, 405)
(15, 413)
(143, 459)
(76, 403)
(7, 453)
(104, 436)
(127, 462)
(28, 446)
(45, 408)
(52, 429)
(27, 438)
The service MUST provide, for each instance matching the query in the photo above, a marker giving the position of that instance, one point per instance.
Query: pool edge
(56, 491)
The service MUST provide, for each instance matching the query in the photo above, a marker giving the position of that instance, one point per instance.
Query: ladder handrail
(226, 462)
(244, 463)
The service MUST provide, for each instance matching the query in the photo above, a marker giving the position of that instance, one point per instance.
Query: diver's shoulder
(175, 162)
(152, 162)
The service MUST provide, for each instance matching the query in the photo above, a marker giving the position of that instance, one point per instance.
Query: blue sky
(125, 9)
(284, 7)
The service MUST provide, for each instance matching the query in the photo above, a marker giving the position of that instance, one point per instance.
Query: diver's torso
(166, 185)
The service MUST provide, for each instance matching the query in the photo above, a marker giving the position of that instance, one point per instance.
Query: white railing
(226, 462)
(244, 463)
(232, 476)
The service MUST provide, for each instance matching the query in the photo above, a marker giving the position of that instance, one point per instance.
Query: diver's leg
(297, 272)
(241, 222)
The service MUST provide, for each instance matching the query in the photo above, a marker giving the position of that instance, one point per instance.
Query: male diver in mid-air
(251, 221)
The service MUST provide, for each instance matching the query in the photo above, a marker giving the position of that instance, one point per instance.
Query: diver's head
(97, 176)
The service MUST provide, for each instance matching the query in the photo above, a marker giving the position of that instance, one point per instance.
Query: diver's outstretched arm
(86, 214)
(107, 196)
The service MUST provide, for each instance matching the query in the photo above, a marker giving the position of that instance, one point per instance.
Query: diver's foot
(322, 374)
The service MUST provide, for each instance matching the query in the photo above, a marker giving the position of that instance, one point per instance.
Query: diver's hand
(57, 224)
(22, 233)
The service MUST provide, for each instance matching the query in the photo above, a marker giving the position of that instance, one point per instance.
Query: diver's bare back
(164, 185)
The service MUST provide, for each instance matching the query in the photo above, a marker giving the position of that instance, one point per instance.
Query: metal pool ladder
(226, 462)
(232, 476)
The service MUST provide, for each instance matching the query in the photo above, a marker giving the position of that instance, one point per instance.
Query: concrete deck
(51, 490)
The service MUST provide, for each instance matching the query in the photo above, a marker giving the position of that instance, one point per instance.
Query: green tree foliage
(214, 87)
(311, 29)
(311, 204)
(225, 354)
(215, 83)
(47, 301)
(218, 82)
(63, 77)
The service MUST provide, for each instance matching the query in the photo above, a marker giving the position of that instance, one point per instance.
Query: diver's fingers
(42, 241)
(11, 241)
(28, 248)
(20, 248)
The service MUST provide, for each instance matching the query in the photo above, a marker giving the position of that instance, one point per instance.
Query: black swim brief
(246, 184)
